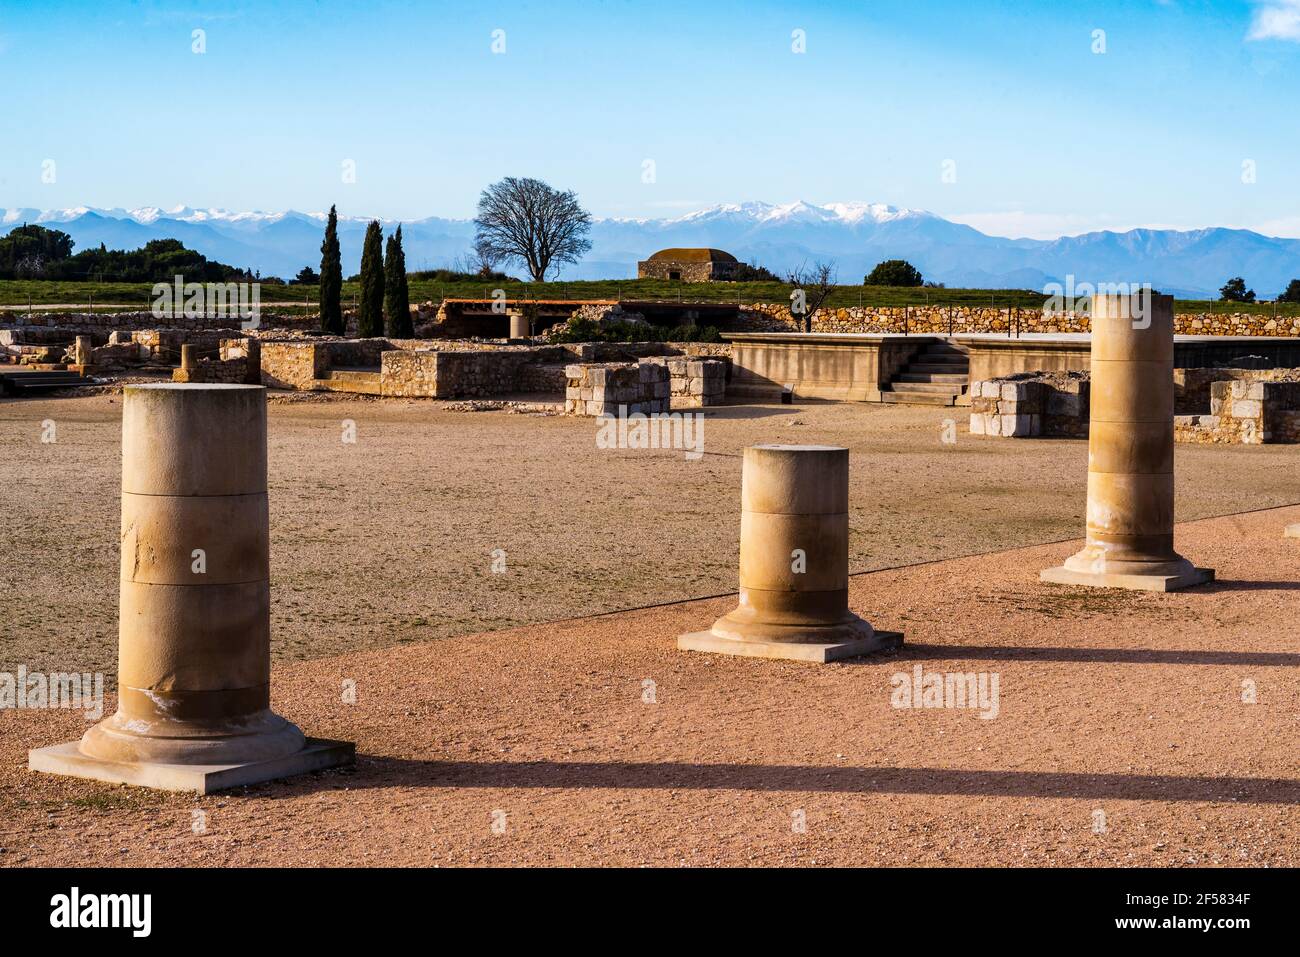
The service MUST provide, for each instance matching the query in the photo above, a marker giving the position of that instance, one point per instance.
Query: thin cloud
(1276, 20)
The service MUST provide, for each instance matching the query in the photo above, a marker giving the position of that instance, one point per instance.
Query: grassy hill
(18, 293)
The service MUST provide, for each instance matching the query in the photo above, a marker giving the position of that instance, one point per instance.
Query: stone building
(688, 265)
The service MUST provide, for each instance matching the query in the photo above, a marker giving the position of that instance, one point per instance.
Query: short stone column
(253, 367)
(518, 326)
(82, 350)
(1130, 514)
(794, 562)
(194, 642)
(1292, 531)
(189, 358)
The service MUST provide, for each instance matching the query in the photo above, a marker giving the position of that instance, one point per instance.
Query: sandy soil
(389, 540)
(1124, 703)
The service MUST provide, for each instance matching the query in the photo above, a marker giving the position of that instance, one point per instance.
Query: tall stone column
(794, 562)
(194, 653)
(1130, 516)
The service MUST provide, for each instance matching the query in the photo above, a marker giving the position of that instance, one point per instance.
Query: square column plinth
(1068, 576)
(68, 759)
(794, 651)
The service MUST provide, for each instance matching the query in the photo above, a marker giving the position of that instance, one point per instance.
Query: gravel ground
(1121, 739)
(390, 540)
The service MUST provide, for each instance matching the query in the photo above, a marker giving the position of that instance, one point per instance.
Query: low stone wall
(237, 361)
(1246, 406)
(1245, 413)
(84, 322)
(693, 383)
(1029, 404)
(445, 374)
(945, 320)
(545, 378)
(292, 364)
(602, 389)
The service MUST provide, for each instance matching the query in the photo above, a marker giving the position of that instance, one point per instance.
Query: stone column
(794, 562)
(518, 325)
(189, 358)
(253, 375)
(81, 351)
(1292, 531)
(194, 656)
(1130, 515)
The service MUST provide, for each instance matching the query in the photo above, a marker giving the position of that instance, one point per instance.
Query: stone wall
(237, 360)
(1246, 406)
(1245, 413)
(84, 322)
(602, 389)
(693, 383)
(943, 320)
(1029, 404)
(292, 364)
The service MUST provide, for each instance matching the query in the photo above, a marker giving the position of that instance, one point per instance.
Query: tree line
(384, 303)
(35, 252)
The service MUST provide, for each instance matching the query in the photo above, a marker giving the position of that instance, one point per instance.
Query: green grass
(17, 293)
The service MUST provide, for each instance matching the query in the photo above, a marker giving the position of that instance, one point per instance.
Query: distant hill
(1192, 263)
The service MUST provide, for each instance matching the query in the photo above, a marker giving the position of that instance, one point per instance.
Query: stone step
(942, 388)
(930, 355)
(355, 381)
(20, 382)
(940, 367)
(917, 398)
(959, 378)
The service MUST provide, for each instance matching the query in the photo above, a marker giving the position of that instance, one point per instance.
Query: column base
(68, 759)
(1292, 531)
(818, 653)
(1068, 576)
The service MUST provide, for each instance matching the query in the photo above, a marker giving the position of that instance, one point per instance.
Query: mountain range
(856, 236)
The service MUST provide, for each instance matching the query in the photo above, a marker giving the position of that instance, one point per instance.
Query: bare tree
(812, 287)
(527, 221)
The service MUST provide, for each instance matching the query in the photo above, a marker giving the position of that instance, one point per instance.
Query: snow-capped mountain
(854, 235)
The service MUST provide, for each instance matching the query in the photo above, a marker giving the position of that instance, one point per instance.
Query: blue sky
(1045, 135)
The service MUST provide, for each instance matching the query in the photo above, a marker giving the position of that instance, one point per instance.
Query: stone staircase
(363, 381)
(939, 375)
(28, 380)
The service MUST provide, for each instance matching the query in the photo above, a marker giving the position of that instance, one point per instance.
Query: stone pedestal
(794, 562)
(518, 325)
(82, 351)
(194, 661)
(1130, 517)
(1292, 531)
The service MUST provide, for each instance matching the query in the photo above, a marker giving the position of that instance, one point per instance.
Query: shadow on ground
(384, 772)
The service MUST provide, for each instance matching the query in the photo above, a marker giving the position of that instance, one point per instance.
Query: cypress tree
(370, 309)
(331, 278)
(397, 297)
